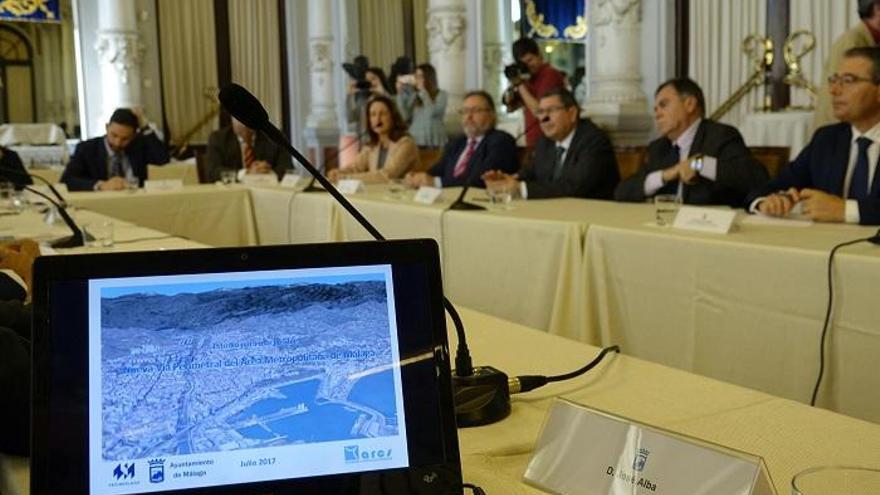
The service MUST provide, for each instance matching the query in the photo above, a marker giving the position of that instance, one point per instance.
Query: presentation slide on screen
(214, 379)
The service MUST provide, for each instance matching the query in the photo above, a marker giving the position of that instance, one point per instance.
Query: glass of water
(500, 193)
(837, 480)
(228, 176)
(100, 232)
(665, 208)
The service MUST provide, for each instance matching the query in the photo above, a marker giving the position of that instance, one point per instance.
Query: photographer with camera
(366, 82)
(526, 92)
(423, 105)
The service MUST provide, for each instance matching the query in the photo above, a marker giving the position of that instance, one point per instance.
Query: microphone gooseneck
(72, 241)
(481, 394)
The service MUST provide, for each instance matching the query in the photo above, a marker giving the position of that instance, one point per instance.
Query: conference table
(789, 436)
(746, 307)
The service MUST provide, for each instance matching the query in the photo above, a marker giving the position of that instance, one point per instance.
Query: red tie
(248, 155)
(465, 159)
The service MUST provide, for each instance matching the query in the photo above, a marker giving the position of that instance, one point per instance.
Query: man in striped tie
(238, 147)
(835, 179)
(481, 148)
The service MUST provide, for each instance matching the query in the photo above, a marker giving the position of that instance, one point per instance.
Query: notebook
(287, 369)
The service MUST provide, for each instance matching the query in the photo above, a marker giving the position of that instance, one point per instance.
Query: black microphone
(481, 394)
(460, 203)
(9, 171)
(75, 240)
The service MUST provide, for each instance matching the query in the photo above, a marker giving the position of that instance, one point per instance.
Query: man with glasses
(573, 157)
(865, 33)
(698, 160)
(481, 148)
(834, 178)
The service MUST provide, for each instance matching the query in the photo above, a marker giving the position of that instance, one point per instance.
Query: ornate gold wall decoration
(537, 22)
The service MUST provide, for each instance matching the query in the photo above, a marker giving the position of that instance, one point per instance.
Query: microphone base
(465, 206)
(68, 242)
(481, 398)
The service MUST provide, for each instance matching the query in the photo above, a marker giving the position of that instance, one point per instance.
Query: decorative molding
(321, 54)
(577, 31)
(617, 12)
(446, 30)
(536, 20)
(121, 50)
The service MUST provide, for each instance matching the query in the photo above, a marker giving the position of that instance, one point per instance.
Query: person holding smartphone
(423, 105)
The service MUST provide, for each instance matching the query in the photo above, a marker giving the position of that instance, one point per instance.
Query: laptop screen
(217, 377)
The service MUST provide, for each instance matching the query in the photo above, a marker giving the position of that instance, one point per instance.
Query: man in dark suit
(573, 157)
(702, 161)
(16, 265)
(481, 148)
(238, 147)
(113, 161)
(12, 169)
(835, 179)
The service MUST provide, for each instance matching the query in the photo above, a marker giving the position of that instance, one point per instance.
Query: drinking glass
(500, 193)
(836, 480)
(665, 208)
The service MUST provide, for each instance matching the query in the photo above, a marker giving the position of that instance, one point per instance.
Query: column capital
(446, 28)
(121, 50)
(617, 12)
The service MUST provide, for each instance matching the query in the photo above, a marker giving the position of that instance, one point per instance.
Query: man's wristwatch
(697, 164)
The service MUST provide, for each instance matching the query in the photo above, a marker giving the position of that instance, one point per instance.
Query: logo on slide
(123, 471)
(157, 470)
(353, 453)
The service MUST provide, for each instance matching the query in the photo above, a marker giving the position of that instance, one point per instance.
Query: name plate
(350, 186)
(259, 179)
(290, 181)
(427, 195)
(163, 185)
(582, 451)
(710, 220)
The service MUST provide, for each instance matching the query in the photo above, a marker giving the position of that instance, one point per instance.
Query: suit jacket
(858, 35)
(11, 168)
(822, 165)
(589, 169)
(88, 164)
(224, 152)
(497, 151)
(15, 373)
(738, 172)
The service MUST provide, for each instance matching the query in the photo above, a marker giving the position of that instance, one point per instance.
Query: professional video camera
(357, 70)
(516, 73)
(403, 66)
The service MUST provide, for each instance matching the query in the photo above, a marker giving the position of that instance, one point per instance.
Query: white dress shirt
(565, 144)
(654, 180)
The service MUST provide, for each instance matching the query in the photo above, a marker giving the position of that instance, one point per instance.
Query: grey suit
(738, 171)
(589, 169)
(224, 152)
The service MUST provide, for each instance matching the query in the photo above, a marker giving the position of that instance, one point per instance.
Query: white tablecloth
(31, 134)
(787, 128)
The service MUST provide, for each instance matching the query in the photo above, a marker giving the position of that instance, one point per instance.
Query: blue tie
(858, 184)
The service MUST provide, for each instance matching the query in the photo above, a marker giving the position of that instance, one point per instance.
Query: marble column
(447, 26)
(496, 46)
(120, 54)
(617, 101)
(322, 126)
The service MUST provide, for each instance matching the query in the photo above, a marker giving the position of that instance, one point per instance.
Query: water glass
(500, 193)
(665, 208)
(228, 176)
(132, 184)
(397, 189)
(836, 480)
(101, 233)
(7, 191)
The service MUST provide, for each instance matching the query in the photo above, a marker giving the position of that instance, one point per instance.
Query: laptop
(317, 368)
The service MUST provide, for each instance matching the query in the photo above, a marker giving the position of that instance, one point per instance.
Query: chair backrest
(427, 158)
(630, 159)
(772, 157)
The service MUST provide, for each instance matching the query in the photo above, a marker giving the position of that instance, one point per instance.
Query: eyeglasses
(848, 79)
(543, 112)
(471, 110)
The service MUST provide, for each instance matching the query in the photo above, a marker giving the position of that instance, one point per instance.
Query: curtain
(826, 19)
(716, 61)
(189, 66)
(420, 32)
(381, 27)
(255, 50)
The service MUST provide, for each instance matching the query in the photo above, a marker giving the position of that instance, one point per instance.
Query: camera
(516, 72)
(409, 79)
(357, 70)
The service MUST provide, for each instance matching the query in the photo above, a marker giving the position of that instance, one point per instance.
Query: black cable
(525, 383)
(875, 239)
(474, 488)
